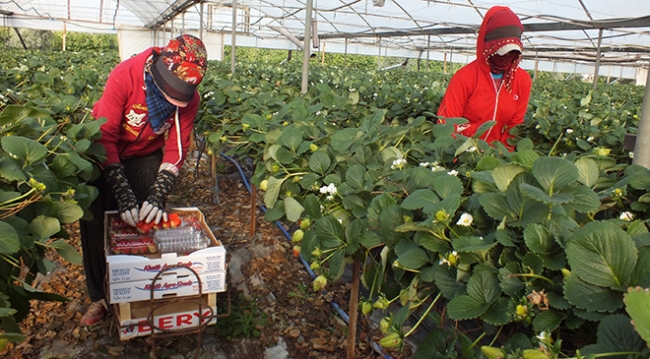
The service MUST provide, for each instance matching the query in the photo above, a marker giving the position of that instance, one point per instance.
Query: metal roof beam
(550, 26)
(174, 9)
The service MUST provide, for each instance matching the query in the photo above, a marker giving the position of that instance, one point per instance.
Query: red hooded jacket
(127, 132)
(472, 94)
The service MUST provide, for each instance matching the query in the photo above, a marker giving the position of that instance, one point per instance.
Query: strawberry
(296, 251)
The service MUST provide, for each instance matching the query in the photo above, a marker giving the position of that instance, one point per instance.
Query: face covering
(157, 105)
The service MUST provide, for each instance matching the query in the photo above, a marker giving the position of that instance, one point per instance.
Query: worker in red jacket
(492, 87)
(150, 102)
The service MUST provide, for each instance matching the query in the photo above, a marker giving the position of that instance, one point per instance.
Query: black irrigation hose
(376, 347)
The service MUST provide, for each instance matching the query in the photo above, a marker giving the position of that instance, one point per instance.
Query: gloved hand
(154, 207)
(127, 204)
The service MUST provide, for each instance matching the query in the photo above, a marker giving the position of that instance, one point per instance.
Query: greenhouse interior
(354, 140)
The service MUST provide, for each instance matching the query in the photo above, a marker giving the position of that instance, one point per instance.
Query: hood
(501, 15)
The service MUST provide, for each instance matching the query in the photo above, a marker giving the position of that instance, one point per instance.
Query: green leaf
(504, 174)
(553, 173)
(370, 239)
(432, 243)
(293, 209)
(509, 282)
(431, 347)
(24, 149)
(641, 275)
(291, 138)
(336, 264)
(422, 198)
(17, 113)
(539, 195)
(496, 206)
(484, 286)
(272, 191)
(330, 232)
(354, 176)
(497, 313)
(9, 240)
(584, 200)
(445, 279)
(548, 320)
(602, 254)
(319, 162)
(616, 333)
(44, 227)
(275, 213)
(588, 172)
(637, 305)
(447, 186)
(68, 211)
(413, 258)
(539, 239)
(465, 307)
(312, 206)
(343, 139)
(10, 169)
(471, 244)
(68, 252)
(590, 297)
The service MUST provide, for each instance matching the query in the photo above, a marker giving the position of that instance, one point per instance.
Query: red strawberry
(296, 251)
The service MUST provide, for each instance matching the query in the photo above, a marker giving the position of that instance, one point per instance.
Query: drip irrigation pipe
(279, 224)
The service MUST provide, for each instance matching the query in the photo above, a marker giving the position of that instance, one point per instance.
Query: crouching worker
(150, 102)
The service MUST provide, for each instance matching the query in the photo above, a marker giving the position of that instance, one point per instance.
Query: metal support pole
(201, 22)
(345, 57)
(305, 49)
(379, 56)
(428, 47)
(597, 69)
(233, 45)
(642, 145)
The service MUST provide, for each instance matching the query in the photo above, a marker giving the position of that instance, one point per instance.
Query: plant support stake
(305, 48)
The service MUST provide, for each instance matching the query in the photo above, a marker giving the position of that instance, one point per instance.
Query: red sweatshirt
(127, 132)
(472, 94)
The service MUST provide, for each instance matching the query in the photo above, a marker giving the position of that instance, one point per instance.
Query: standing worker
(492, 87)
(150, 102)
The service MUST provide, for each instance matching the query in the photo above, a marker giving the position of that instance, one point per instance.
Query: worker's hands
(127, 204)
(153, 209)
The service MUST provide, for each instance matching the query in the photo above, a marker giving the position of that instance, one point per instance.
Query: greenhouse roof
(567, 31)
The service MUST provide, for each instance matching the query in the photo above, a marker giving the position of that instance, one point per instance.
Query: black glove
(154, 206)
(127, 204)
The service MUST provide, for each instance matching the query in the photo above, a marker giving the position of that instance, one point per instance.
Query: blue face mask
(158, 107)
(497, 76)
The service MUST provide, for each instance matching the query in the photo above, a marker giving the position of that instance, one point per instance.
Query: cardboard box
(124, 268)
(132, 317)
(166, 286)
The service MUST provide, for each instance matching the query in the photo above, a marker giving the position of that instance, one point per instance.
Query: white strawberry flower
(626, 216)
(398, 163)
(453, 173)
(465, 220)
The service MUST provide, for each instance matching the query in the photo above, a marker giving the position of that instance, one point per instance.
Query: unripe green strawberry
(313, 147)
(381, 303)
(314, 265)
(566, 273)
(317, 253)
(275, 168)
(319, 283)
(392, 340)
(441, 216)
(366, 307)
(297, 235)
(384, 325)
(305, 223)
(492, 353)
(264, 184)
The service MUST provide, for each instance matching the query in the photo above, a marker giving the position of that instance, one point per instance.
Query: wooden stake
(354, 310)
(213, 176)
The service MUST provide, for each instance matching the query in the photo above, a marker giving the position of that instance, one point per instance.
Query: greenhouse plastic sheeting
(404, 28)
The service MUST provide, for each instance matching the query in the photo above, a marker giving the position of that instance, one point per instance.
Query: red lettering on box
(166, 322)
(184, 319)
